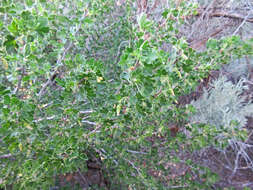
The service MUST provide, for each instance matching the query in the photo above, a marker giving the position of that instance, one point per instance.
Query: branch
(178, 186)
(89, 122)
(227, 15)
(132, 164)
(19, 81)
(202, 11)
(119, 52)
(86, 111)
(105, 155)
(136, 152)
(233, 16)
(243, 22)
(6, 156)
(83, 178)
(158, 93)
(68, 45)
(55, 73)
(42, 119)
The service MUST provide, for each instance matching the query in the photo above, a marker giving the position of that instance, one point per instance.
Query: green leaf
(175, 12)
(42, 29)
(6, 111)
(26, 15)
(125, 75)
(30, 38)
(88, 20)
(165, 13)
(13, 27)
(7, 99)
(212, 44)
(10, 44)
(10, 40)
(2, 10)
(26, 78)
(1, 24)
(29, 3)
(15, 101)
(152, 56)
(143, 22)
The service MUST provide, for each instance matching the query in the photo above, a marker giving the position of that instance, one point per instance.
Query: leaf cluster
(86, 78)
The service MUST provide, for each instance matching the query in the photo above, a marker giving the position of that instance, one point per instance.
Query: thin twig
(55, 73)
(104, 154)
(83, 178)
(95, 130)
(119, 52)
(86, 111)
(136, 152)
(243, 22)
(228, 15)
(89, 122)
(154, 6)
(132, 164)
(19, 81)
(6, 156)
(177, 186)
(42, 119)
(68, 46)
(223, 14)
